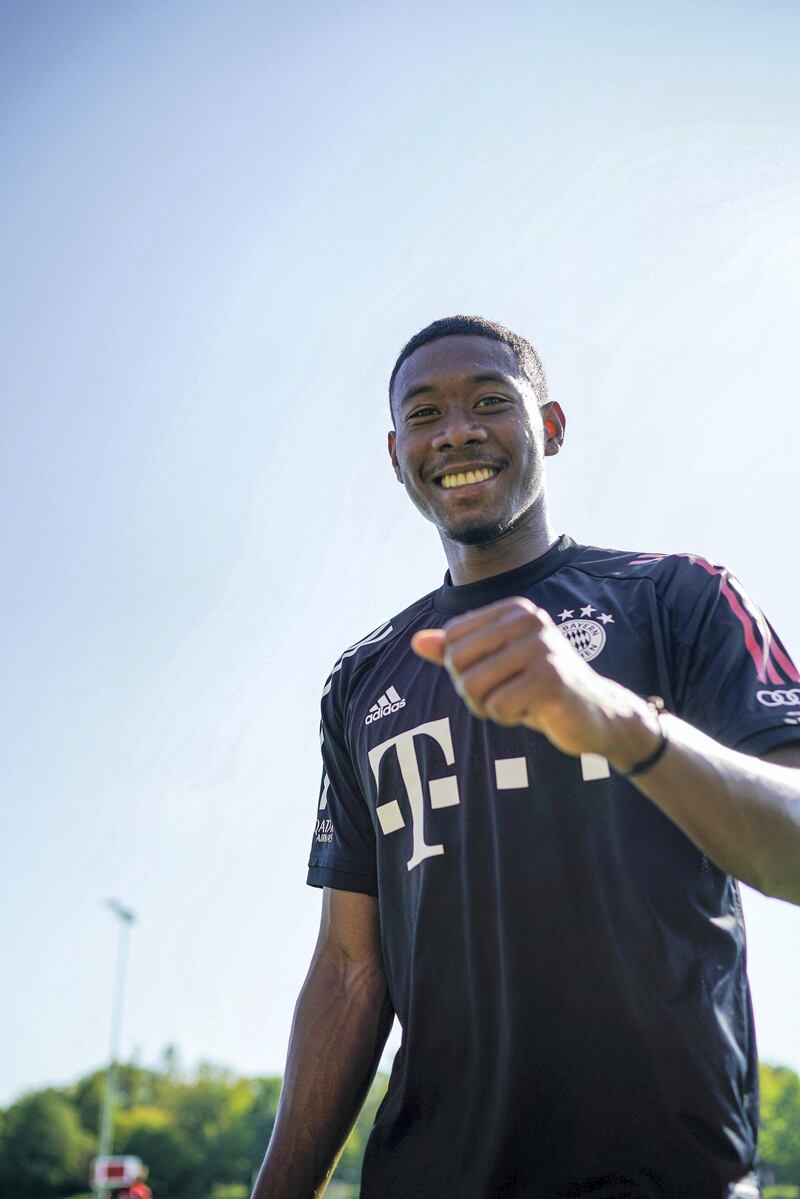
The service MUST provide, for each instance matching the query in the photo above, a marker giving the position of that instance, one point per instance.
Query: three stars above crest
(587, 611)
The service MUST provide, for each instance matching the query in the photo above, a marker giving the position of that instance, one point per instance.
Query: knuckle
(471, 687)
(454, 658)
(452, 627)
(528, 613)
(499, 712)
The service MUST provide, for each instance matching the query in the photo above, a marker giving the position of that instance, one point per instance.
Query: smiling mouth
(467, 478)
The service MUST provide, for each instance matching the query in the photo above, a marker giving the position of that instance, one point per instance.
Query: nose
(457, 429)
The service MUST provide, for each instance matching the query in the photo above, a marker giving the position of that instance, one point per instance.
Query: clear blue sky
(219, 224)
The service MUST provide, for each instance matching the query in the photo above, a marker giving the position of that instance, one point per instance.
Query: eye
(494, 399)
(427, 410)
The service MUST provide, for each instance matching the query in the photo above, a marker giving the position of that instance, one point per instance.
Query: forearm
(342, 1019)
(511, 664)
(743, 813)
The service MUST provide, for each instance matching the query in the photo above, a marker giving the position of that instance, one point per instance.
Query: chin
(480, 532)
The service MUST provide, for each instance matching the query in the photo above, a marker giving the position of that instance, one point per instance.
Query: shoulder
(680, 574)
(366, 653)
(684, 589)
(694, 597)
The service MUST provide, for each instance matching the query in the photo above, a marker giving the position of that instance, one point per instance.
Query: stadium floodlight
(126, 918)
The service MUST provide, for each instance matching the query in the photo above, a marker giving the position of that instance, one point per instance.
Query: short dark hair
(478, 326)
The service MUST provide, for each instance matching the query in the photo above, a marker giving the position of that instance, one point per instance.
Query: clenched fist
(510, 664)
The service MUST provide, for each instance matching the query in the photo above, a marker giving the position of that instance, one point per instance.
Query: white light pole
(126, 919)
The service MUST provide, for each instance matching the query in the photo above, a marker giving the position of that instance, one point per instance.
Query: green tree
(87, 1096)
(135, 1085)
(44, 1151)
(200, 1135)
(152, 1134)
(779, 1141)
(260, 1121)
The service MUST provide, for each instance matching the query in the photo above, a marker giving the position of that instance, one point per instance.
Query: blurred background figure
(138, 1189)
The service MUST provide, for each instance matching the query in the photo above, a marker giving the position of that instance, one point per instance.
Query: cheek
(401, 468)
(531, 461)
(407, 462)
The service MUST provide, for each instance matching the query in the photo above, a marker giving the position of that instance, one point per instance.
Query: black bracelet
(657, 704)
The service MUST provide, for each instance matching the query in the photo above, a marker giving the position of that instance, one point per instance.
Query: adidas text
(391, 702)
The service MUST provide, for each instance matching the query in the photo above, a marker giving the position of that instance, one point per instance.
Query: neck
(524, 542)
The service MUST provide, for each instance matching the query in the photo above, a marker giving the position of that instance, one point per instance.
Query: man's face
(462, 405)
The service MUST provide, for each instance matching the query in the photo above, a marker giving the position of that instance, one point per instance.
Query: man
(138, 1189)
(523, 857)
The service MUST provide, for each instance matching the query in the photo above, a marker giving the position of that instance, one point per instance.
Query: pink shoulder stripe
(769, 657)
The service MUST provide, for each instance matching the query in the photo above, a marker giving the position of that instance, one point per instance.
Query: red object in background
(117, 1173)
(140, 1190)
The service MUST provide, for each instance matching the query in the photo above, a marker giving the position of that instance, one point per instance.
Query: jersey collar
(452, 599)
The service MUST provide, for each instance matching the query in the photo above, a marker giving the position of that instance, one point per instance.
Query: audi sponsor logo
(779, 699)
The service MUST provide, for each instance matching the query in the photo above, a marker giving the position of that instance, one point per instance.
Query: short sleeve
(343, 846)
(734, 679)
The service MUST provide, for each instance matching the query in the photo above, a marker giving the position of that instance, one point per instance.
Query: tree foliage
(779, 1143)
(44, 1150)
(204, 1134)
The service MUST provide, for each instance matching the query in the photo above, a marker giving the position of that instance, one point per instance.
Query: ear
(555, 426)
(392, 440)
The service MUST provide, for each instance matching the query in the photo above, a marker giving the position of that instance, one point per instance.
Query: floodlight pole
(126, 919)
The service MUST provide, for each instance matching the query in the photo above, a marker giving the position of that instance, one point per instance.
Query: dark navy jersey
(568, 969)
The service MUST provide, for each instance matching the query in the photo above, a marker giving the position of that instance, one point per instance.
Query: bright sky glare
(220, 223)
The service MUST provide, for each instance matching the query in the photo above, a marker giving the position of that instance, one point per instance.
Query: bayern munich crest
(584, 634)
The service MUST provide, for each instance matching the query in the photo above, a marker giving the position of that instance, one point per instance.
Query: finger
(491, 672)
(464, 648)
(429, 644)
(490, 612)
(519, 699)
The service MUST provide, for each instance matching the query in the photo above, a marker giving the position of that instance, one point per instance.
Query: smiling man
(541, 783)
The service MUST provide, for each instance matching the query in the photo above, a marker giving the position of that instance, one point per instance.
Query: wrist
(636, 736)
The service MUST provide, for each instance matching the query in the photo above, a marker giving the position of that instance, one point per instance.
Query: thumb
(429, 644)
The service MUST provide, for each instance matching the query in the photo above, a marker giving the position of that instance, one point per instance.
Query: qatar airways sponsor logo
(324, 832)
(779, 699)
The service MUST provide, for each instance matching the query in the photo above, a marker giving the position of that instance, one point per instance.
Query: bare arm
(341, 1022)
(510, 664)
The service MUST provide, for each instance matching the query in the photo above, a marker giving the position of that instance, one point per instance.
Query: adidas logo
(389, 702)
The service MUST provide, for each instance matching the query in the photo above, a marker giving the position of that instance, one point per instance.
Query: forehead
(449, 361)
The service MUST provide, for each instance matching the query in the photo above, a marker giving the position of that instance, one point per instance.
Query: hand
(510, 664)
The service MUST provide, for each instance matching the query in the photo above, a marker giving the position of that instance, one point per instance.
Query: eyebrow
(483, 377)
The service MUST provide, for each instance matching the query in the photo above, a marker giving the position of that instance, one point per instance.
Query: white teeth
(471, 476)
